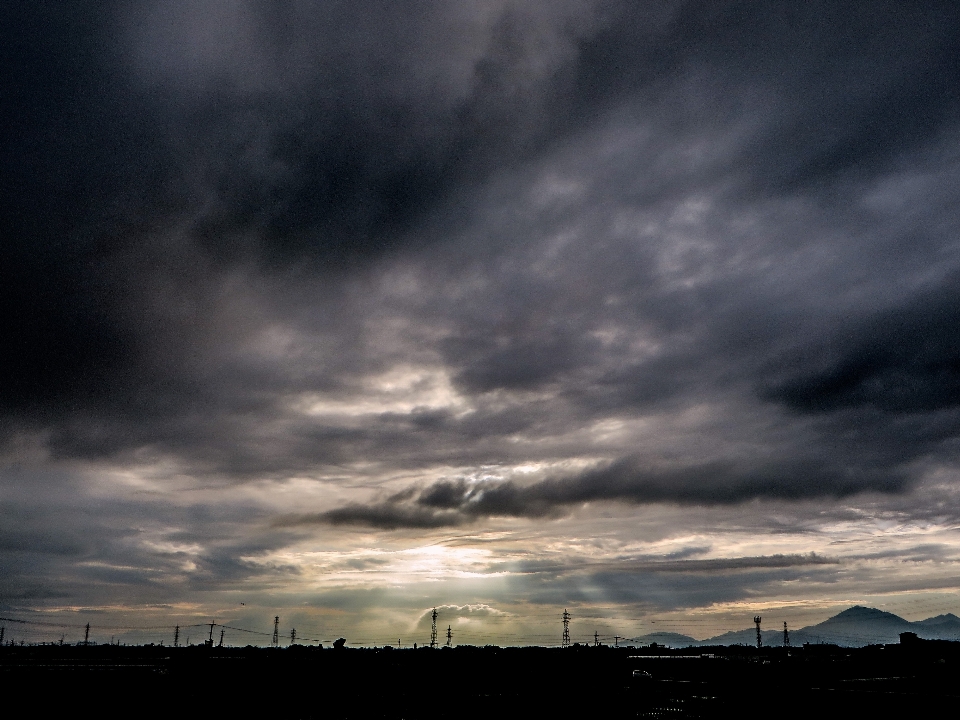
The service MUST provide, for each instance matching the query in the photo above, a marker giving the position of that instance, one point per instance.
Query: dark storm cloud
(181, 177)
(627, 480)
(703, 582)
(741, 563)
(333, 159)
(853, 104)
(905, 360)
(658, 565)
(387, 516)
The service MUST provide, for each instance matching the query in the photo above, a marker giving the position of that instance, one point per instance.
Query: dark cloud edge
(449, 503)
(687, 565)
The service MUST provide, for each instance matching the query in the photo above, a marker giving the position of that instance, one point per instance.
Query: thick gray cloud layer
(471, 261)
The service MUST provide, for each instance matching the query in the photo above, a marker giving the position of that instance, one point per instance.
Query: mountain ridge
(856, 626)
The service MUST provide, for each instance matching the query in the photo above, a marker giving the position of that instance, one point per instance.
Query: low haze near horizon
(341, 312)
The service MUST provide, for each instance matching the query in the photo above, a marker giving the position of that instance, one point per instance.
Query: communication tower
(756, 619)
(596, 639)
(176, 636)
(786, 636)
(449, 636)
(276, 631)
(565, 642)
(293, 636)
(433, 630)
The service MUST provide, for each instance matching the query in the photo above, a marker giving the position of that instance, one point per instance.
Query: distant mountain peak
(947, 619)
(859, 612)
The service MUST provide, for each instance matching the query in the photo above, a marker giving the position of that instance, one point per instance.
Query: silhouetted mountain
(854, 627)
(667, 639)
(941, 627)
(858, 626)
(735, 637)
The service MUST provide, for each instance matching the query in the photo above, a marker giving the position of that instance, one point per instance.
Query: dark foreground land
(814, 681)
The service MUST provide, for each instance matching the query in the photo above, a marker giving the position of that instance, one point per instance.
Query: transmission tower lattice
(293, 636)
(176, 636)
(449, 636)
(565, 642)
(757, 621)
(276, 631)
(433, 630)
(786, 636)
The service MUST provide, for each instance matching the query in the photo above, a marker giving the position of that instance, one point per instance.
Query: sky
(343, 311)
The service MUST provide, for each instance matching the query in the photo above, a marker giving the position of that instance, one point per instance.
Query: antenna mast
(786, 635)
(756, 619)
(565, 642)
(449, 636)
(433, 630)
(176, 636)
(276, 631)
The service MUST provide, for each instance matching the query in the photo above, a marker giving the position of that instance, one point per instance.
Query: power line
(81, 626)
